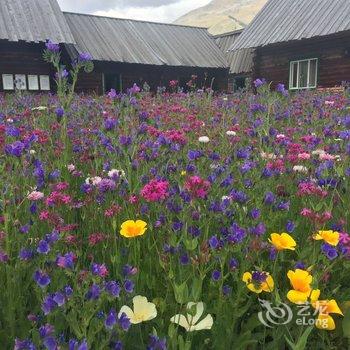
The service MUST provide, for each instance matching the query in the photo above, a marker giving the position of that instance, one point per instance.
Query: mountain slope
(216, 14)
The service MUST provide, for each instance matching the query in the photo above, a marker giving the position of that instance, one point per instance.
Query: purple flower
(46, 330)
(59, 298)
(48, 305)
(269, 198)
(59, 112)
(74, 345)
(216, 275)
(290, 226)
(41, 278)
(112, 94)
(51, 46)
(50, 343)
(184, 259)
(226, 290)
(330, 251)
(66, 261)
(214, 242)
(24, 345)
(259, 82)
(3, 256)
(85, 57)
(111, 319)
(155, 343)
(43, 247)
(259, 277)
(300, 265)
(255, 213)
(94, 292)
(113, 288)
(233, 264)
(124, 322)
(15, 149)
(26, 254)
(129, 286)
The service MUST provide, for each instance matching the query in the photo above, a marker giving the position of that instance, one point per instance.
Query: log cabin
(302, 44)
(129, 51)
(124, 51)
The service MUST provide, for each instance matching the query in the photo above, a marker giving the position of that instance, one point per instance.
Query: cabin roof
(33, 21)
(130, 41)
(289, 20)
(240, 61)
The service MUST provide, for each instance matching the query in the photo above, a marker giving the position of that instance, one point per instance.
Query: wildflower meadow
(174, 220)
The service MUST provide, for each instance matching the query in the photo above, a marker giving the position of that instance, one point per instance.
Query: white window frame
(291, 72)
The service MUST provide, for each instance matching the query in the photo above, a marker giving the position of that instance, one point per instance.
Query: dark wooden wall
(333, 53)
(22, 58)
(155, 76)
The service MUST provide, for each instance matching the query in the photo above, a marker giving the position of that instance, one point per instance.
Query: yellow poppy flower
(330, 237)
(326, 307)
(131, 228)
(282, 241)
(258, 282)
(301, 283)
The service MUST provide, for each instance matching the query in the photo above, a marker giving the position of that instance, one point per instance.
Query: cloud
(162, 13)
(105, 5)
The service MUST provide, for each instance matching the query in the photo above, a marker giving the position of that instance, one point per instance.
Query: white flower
(143, 310)
(280, 136)
(231, 133)
(189, 322)
(9, 120)
(265, 155)
(40, 108)
(115, 172)
(32, 151)
(93, 180)
(71, 167)
(204, 139)
(299, 169)
(224, 198)
(318, 152)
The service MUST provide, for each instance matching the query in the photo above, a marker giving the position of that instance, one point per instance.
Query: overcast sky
(149, 10)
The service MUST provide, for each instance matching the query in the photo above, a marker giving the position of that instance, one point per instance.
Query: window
(20, 82)
(33, 82)
(303, 74)
(8, 82)
(44, 82)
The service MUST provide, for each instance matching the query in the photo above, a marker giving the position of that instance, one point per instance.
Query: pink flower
(155, 190)
(304, 156)
(197, 186)
(35, 196)
(306, 212)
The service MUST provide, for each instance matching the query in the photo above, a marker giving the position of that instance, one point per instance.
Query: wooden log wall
(333, 53)
(23, 58)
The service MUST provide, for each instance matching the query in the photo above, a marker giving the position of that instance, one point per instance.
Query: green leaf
(301, 344)
(197, 289)
(181, 293)
(346, 324)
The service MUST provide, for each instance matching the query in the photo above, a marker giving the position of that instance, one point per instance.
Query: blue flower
(41, 278)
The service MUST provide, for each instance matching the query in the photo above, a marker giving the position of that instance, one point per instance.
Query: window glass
(294, 77)
(21, 82)
(312, 75)
(33, 82)
(7, 82)
(303, 73)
